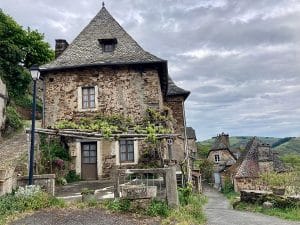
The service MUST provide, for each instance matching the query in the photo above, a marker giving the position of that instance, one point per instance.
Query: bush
(72, 176)
(228, 186)
(13, 118)
(185, 194)
(122, 205)
(158, 208)
(26, 199)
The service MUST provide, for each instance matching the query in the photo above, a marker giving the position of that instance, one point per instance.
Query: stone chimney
(60, 46)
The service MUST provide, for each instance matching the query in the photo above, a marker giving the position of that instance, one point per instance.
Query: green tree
(19, 50)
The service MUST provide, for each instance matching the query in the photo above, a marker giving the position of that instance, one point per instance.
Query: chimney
(60, 46)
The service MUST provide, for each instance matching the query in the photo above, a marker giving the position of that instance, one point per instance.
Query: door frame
(97, 157)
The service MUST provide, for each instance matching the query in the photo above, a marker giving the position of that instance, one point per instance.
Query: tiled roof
(174, 90)
(249, 167)
(221, 142)
(85, 50)
(190, 133)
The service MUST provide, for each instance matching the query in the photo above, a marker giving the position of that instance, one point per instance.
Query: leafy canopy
(20, 49)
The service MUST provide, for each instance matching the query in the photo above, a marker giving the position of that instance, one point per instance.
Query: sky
(239, 58)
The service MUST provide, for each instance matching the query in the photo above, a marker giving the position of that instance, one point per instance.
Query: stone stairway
(12, 150)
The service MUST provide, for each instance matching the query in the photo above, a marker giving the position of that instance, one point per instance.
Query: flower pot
(278, 190)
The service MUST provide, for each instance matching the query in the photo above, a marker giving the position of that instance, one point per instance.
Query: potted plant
(87, 194)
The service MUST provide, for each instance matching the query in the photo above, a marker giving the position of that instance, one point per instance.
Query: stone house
(257, 158)
(221, 157)
(105, 71)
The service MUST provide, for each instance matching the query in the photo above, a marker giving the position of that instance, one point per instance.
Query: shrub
(26, 199)
(228, 186)
(13, 118)
(185, 194)
(122, 205)
(72, 176)
(158, 208)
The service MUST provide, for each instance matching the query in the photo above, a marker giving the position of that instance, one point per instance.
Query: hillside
(284, 146)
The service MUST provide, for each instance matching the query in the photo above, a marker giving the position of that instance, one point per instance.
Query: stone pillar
(171, 186)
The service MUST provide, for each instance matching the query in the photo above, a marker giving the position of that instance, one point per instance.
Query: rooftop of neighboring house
(174, 90)
(190, 133)
(249, 161)
(222, 143)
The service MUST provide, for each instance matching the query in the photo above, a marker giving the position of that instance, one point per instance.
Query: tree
(19, 50)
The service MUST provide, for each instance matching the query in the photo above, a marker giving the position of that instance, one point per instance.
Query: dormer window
(108, 45)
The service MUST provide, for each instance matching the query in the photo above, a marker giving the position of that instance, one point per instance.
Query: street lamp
(35, 74)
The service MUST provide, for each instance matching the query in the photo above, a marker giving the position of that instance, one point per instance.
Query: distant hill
(284, 146)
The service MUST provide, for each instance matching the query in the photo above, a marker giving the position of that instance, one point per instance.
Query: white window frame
(79, 99)
(135, 150)
(217, 158)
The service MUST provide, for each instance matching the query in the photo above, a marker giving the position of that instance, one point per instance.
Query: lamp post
(35, 74)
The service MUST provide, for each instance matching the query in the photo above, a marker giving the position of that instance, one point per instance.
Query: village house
(221, 157)
(257, 159)
(105, 72)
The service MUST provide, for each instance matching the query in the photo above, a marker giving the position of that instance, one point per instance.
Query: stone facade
(124, 91)
(225, 157)
(176, 104)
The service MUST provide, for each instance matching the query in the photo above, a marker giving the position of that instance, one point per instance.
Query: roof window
(108, 45)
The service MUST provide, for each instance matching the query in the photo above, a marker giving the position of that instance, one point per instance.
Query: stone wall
(45, 181)
(247, 184)
(176, 105)
(225, 159)
(3, 100)
(120, 91)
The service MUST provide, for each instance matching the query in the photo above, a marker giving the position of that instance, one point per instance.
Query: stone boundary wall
(45, 181)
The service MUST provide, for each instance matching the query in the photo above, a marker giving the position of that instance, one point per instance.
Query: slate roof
(221, 142)
(85, 50)
(249, 167)
(190, 133)
(174, 90)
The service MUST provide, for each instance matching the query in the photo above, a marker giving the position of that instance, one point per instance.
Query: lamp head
(35, 72)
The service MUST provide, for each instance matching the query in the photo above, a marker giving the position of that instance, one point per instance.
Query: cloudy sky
(240, 59)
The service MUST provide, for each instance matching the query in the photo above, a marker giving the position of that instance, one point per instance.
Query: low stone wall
(45, 181)
(7, 181)
(3, 101)
(259, 197)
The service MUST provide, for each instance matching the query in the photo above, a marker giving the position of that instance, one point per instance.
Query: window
(217, 158)
(89, 153)
(126, 151)
(108, 45)
(88, 97)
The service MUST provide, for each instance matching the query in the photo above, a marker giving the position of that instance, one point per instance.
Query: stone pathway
(219, 212)
(83, 217)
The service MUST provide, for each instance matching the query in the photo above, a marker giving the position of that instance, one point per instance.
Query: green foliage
(206, 169)
(20, 49)
(12, 203)
(52, 149)
(72, 176)
(112, 124)
(87, 191)
(13, 118)
(273, 179)
(25, 101)
(228, 186)
(158, 208)
(203, 149)
(191, 213)
(289, 213)
(121, 205)
(185, 194)
(292, 160)
(281, 141)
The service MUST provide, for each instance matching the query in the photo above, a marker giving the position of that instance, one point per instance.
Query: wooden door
(89, 161)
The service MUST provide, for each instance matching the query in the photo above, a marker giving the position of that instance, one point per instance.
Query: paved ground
(219, 212)
(82, 217)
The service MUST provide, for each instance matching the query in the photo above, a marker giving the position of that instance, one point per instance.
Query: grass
(283, 213)
(191, 213)
(289, 213)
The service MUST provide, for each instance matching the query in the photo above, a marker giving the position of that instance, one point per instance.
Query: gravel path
(82, 217)
(219, 212)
